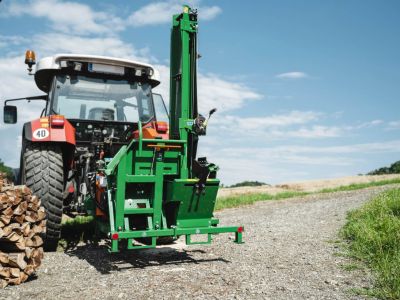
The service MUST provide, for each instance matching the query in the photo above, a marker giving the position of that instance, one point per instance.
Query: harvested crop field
(289, 253)
(307, 186)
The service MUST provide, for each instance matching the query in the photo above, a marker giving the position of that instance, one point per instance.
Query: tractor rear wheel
(43, 173)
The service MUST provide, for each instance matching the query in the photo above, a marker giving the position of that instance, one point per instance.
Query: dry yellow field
(305, 186)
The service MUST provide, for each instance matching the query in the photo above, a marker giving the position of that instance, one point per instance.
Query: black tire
(43, 173)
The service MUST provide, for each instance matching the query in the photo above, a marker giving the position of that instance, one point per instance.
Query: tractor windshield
(86, 98)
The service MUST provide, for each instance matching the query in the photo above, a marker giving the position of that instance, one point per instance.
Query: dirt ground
(290, 252)
(305, 186)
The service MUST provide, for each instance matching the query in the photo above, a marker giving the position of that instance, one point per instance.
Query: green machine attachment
(156, 188)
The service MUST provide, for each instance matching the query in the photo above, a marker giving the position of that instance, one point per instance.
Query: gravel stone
(288, 254)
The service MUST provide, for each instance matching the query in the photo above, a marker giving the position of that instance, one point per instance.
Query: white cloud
(315, 132)
(368, 124)
(393, 125)
(80, 19)
(376, 122)
(68, 17)
(209, 13)
(213, 91)
(277, 120)
(161, 12)
(49, 44)
(11, 40)
(292, 75)
(15, 81)
(274, 164)
(278, 126)
(366, 148)
(286, 126)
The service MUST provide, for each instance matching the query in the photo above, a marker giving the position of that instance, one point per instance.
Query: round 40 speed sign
(41, 133)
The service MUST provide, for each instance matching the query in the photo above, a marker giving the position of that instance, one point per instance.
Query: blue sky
(304, 89)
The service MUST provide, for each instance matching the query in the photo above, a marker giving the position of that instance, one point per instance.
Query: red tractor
(92, 108)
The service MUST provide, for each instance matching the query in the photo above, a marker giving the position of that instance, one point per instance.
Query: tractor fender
(40, 130)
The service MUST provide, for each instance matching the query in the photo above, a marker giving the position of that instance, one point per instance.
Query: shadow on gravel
(78, 239)
(106, 263)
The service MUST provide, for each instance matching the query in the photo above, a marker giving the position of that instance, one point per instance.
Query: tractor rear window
(80, 97)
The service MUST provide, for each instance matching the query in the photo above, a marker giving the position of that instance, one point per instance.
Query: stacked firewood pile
(22, 221)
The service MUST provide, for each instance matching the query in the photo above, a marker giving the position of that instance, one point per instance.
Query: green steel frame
(150, 186)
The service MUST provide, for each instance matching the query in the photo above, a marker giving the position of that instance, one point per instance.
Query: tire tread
(44, 175)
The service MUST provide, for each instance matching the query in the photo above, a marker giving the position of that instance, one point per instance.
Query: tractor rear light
(161, 126)
(71, 189)
(240, 229)
(57, 121)
(115, 236)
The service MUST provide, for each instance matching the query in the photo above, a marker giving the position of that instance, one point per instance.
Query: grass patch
(351, 267)
(357, 186)
(251, 198)
(373, 232)
(76, 230)
(247, 199)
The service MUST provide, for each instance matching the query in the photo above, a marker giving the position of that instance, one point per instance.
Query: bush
(248, 183)
(7, 170)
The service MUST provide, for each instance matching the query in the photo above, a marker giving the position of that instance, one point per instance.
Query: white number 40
(40, 133)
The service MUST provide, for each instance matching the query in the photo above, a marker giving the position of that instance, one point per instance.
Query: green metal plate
(186, 207)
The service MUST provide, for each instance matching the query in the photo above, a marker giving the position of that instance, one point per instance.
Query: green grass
(251, 198)
(373, 232)
(357, 186)
(247, 199)
(78, 229)
(351, 267)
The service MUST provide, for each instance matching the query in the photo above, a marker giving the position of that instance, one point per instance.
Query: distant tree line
(393, 169)
(247, 183)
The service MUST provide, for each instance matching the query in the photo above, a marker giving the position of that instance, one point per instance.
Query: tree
(248, 183)
(393, 169)
(7, 170)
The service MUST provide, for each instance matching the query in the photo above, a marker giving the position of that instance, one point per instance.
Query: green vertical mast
(183, 82)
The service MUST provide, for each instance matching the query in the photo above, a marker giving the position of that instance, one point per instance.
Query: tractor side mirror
(10, 114)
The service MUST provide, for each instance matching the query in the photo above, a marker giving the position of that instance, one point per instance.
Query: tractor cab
(102, 97)
(101, 93)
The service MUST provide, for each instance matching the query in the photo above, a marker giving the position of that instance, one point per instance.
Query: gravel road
(289, 254)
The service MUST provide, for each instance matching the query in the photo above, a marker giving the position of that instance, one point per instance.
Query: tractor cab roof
(101, 66)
